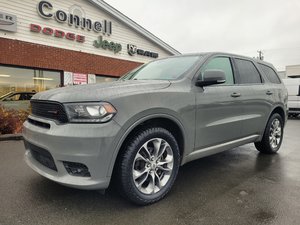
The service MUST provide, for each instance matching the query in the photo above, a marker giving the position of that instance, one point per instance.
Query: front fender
(138, 119)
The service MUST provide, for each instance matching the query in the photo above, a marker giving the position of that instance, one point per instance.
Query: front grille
(41, 155)
(49, 110)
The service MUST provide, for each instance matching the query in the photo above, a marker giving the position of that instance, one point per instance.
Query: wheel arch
(277, 109)
(166, 121)
(280, 110)
(263, 144)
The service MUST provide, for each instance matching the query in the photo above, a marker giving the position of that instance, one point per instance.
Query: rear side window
(221, 63)
(270, 73)
(248, 74)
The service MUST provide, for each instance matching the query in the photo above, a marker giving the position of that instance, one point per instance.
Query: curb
(11, 137)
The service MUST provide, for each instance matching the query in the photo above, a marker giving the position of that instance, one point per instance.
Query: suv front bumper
(89, 144)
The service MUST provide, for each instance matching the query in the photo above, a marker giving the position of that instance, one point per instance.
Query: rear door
(256, 94)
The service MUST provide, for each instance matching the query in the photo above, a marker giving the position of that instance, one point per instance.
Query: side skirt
(200, 153)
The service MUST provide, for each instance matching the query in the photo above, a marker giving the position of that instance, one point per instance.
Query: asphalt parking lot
(239, 186)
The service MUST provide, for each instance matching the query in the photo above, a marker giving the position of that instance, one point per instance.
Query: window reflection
(101, 79)
(27, 80)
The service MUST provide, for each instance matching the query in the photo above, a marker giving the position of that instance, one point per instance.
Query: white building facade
(47, 44)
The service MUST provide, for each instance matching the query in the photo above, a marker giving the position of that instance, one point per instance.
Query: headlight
(100, 112)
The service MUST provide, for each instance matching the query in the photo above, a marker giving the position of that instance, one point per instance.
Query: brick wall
(20, 53)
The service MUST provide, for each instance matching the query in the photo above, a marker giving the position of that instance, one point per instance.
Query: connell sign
(45, 10)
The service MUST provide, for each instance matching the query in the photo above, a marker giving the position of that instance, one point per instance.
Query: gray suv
(140, 129)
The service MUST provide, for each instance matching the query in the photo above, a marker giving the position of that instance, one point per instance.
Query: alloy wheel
(153, 166)
(275, 134)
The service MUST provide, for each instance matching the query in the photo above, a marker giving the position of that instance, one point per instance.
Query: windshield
(5, 95)
(165, 69)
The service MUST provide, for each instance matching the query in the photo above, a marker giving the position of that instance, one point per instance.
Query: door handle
(235, 95)
(269, 92)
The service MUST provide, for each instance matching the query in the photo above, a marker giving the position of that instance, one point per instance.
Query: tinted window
(30, 96)
(270, 73)
(247, 71)
(221, 63)
(23, 97)
(26, 96)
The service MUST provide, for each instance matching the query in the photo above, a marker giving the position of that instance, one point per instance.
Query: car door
(218, 107)
(256, 94)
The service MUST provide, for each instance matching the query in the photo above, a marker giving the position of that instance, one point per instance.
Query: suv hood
(100, 92)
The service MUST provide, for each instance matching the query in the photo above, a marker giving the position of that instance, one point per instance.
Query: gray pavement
(239, 186)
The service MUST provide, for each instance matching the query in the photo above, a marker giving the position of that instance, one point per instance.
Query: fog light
(77, 169)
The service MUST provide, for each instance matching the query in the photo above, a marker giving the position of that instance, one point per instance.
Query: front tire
(149, 165)
(273, 135)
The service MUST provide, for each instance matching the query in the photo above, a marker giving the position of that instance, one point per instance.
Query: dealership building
(49, 44)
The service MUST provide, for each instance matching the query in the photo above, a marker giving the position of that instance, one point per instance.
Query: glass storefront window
(17, 86)
(101, 79)
(14, 79)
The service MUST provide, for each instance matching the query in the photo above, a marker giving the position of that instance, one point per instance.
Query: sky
(234, 26)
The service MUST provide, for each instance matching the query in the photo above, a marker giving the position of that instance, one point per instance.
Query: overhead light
(4, 75)
(42, 78)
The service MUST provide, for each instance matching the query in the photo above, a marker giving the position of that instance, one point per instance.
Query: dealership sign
(8, 22)
(106, 45)
(57, 33)
(132, 50)
(79, 20)
(80, 78)
(71, 78)
(45, 10)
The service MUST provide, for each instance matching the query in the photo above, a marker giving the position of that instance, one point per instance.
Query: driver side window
(14, 97)
(220, 63)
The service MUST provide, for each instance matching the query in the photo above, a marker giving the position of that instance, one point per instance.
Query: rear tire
(272, 137)
(148, 166)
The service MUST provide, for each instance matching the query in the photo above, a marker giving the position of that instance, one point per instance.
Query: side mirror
(211, 77)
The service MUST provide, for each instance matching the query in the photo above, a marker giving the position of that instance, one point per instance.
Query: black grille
(39, 124)
(294, 109)
(50, 110)
(41, 155)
